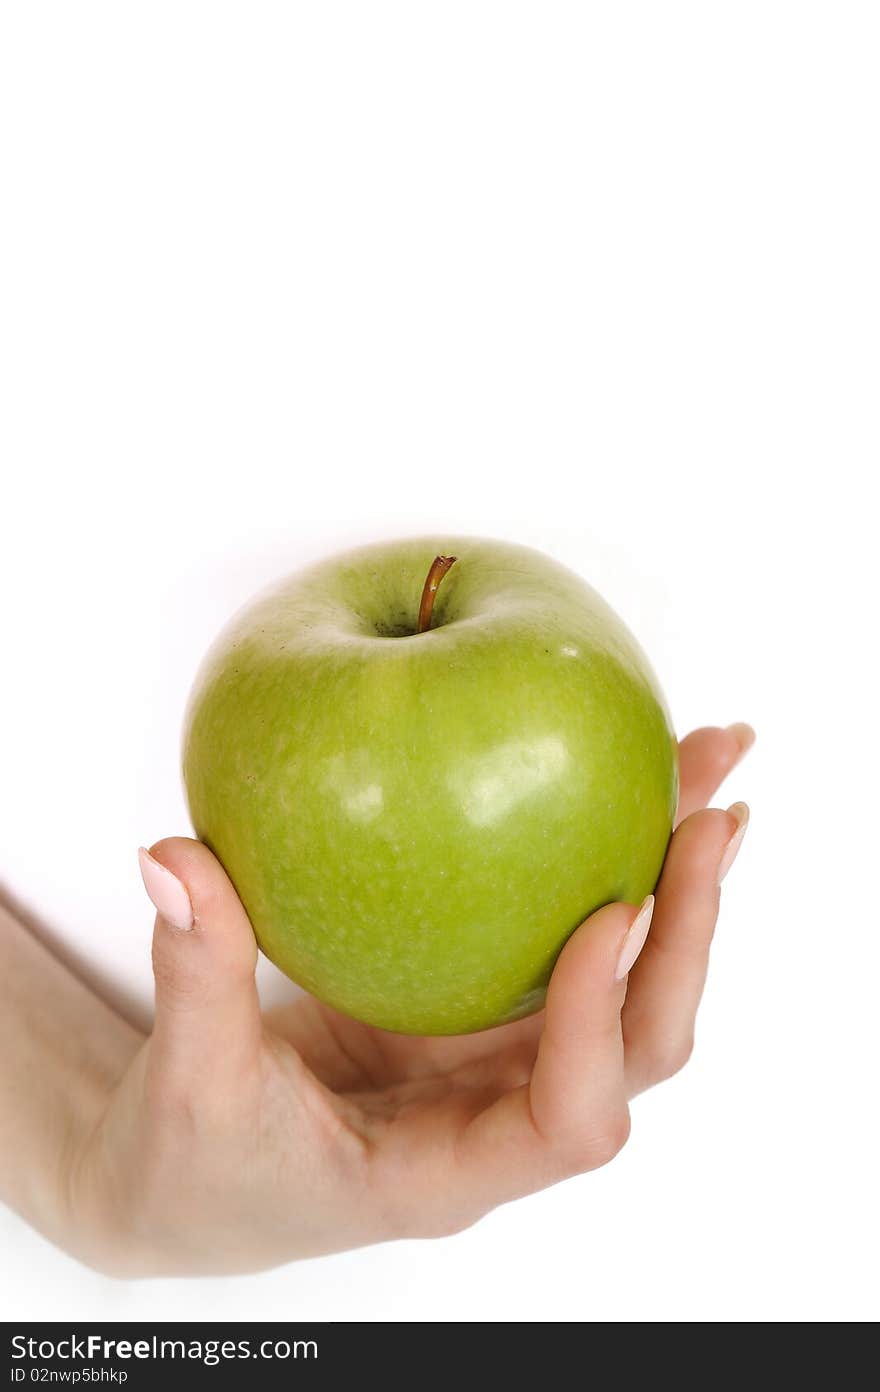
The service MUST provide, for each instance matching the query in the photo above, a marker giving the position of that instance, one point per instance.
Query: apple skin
(416, 823)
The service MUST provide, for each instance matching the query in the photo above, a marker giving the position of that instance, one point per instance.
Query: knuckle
(671, 1056)
(445, 1225)
(434, 1210)
(600, 1147)
(179, 986)
(174, 1109)
(452, 1227)
(403, 1218)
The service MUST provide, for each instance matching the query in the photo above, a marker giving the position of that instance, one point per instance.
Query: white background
(600, 278)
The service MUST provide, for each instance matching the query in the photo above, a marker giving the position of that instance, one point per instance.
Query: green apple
(416, 821)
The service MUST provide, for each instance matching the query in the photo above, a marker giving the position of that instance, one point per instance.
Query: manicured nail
(741, 813)
(168, 894)
(743, 734)
(635, 938)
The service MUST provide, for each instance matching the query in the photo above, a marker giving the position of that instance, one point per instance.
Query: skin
(417, 823)
(228, 1140)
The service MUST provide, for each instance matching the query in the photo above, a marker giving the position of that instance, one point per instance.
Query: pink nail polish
(635, 938)
(740, 811)
(168, 894)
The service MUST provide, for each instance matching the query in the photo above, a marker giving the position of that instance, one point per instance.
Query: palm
(366, 1063)
(423, 1084)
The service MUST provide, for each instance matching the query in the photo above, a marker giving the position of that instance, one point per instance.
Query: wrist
(61, 1051)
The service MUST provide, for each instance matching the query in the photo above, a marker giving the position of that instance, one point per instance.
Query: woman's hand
(234, 1141)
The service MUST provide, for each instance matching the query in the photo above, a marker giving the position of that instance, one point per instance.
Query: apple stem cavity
(439, 566)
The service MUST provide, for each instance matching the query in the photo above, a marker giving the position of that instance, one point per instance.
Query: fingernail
(168, 894)
(743, 734)
(741, 813)
(635, 939)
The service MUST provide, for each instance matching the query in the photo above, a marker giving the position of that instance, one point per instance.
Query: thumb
(204, 959)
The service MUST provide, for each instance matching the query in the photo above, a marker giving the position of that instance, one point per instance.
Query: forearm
(61, 1051)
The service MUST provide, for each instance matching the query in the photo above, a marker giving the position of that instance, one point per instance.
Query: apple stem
(439, 567)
